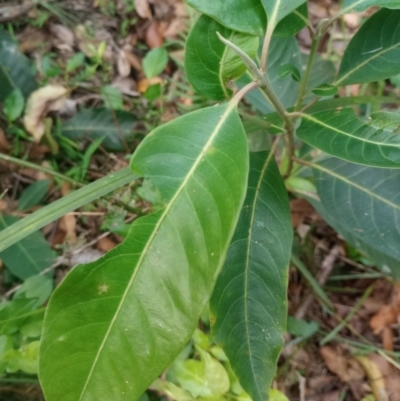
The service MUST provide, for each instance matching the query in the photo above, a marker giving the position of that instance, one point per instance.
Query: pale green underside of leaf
(386, 263)
(209, 64)
(249, 16)
(363, 203)
(361, 5)
(113, 326)
(249, 307)
(343, 134)
(16, 71)
(374, 52)
(278, 9)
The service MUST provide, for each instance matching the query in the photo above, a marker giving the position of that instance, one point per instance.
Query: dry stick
(326, 269)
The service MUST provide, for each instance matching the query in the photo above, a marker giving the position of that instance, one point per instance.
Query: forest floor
(344, 329)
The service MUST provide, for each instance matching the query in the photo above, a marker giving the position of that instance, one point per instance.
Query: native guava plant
(223, 232)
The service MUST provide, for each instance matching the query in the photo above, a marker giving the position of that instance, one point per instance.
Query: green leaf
(278, 9)
(249, 306)
(14, 105)
(325, 90)
(374, 52)
(155, 61)
(29, 256)
(302, 328)
(276, 395)
(33, 195)
(361, 5)
(363, 202)
(248, 16)
(293, 23)
(209, 64)
(289, 69)
(76, 61)
(15, 69)
(36, 287)
(13, 314)
(112, 97)
(115, 127)
(136, 308)
(204, 378)
(20, 229)
(385, 262)
(342, 134)
(282, 51)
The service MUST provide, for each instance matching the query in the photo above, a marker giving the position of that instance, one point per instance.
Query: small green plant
(221, 231)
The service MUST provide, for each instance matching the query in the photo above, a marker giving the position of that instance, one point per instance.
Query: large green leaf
(248, 16)
(249, 307)
(361, 5)
(343, 134)
(16, 71)
(116, 127)
(282, 51)
(363, 201)
(29, 256)
(114, 325)
(374, 52)
(210, 64)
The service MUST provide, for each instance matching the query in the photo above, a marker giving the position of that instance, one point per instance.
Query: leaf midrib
(330, 127)
(249, 244)
(222, 121)
(365, 62)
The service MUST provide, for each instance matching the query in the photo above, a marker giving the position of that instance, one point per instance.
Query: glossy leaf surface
(209, 64)
(130, 313)
(364, 202)
(361, 5)
(246, 16)
(116, 127)
(29, 256)
(16, 71)
(343, 134)
(249, 16)
(374, 52)
(249, 307)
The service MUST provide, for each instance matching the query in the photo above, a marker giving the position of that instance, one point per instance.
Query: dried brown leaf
(40, 103)
(143, 9)
(124, 66)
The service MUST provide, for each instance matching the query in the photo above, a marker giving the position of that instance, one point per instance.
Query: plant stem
(33, 166)
(265, 49)
(244, 91)
(304, 82)
(275, 101)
